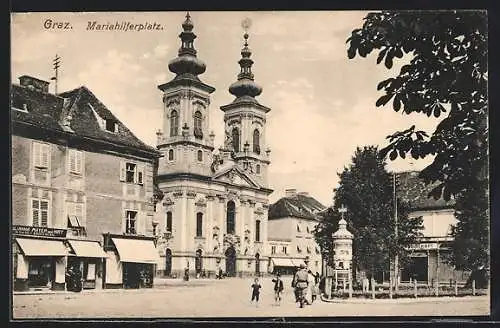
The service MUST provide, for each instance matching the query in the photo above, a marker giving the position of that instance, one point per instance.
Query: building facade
(78, 174)
(292, 222)
(213, 215)
(427, 264)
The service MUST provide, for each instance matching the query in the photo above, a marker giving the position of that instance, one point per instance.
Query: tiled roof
(300, 206)
(413, 190)
(47, 110)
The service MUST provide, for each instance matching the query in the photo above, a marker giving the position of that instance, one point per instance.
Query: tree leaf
(383, 100)
(381, 55)
(388, 59)
(396, 103)
(393, 155)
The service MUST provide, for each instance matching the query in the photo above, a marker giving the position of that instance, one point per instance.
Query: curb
(156, 289)
(405, 300)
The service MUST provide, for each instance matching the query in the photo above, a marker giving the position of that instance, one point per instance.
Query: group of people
(305, 284)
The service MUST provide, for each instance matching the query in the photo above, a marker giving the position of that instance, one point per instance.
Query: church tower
(185, 142)
(245, 120)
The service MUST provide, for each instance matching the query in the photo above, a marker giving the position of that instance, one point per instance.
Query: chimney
(34, 83)
(290, 192)
(304, 193)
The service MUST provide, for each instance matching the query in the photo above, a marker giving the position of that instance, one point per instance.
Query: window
(40, 212)
(284, 249)
(256, 141)
(317, 250)
(168, 227)
(174, 123)
(111, 126)
(230, 224)
(130, 222)
(257, 169)
(236, 140)
(200, 156)
(130, 177)
(199, 224)
(307, 229)
(41, 155)
(257, 230)
(75, 161)
(308, 250)
(198, 132)
(131, 173)
(171, 155)
(299, 250)
(273, 249)
(76, 218)
(298, 228)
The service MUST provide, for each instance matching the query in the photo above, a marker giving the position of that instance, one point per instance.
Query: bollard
(415, 288)
(456, 287)
(390, 287)
(473, 287)
(373, 288)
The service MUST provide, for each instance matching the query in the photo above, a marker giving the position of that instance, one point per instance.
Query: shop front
(87, 257)
(283, 266)
(39, 258)
(131, 261)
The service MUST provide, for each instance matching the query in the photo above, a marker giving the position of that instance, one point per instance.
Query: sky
(323, 104)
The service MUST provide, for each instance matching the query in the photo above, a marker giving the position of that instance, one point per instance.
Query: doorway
(198, 263)
(168, 262)
(41, 272)
(230, 262)
(257, 265)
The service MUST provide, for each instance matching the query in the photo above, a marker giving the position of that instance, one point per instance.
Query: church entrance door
(230, 262)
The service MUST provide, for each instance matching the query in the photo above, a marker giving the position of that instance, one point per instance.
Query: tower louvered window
(174, 123)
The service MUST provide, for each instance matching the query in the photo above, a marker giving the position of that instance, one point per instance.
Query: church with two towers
(214, 211)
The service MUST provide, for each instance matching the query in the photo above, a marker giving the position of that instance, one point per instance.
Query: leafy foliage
(366, 190)
(447, 73)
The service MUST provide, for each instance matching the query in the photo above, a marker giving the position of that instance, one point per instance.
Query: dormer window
(111, 126)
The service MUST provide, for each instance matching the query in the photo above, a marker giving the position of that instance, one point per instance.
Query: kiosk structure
(342, 257)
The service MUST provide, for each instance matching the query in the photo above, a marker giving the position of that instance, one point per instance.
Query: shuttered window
(41, 155)
(40, 212)
(75, 161)
(132, 173)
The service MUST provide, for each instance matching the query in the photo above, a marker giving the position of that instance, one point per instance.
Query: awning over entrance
(41, 247)
(277, 262)
(87, 248)
(297, 262)
(136, 250)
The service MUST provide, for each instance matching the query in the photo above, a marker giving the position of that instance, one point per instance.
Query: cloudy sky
(323, 104)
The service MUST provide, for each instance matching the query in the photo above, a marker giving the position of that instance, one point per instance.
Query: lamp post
(396, 256)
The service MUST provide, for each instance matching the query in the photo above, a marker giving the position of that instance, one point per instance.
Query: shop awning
(298, 262)
(136, 250)
(283, 262)
(87, 248)
(42, 247)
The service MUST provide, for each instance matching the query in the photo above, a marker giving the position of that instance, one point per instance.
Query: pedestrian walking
(278, 289)
(256, 291)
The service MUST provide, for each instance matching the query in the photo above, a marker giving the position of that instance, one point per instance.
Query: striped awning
(136, 250)
(87, 248)
(277, 262)
(41, 247)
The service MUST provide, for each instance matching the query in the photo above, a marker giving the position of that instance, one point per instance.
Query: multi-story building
(427, 257)
(292, 222)
(81, 181)
(214, 211)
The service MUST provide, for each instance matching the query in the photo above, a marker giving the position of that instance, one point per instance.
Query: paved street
(222, 298)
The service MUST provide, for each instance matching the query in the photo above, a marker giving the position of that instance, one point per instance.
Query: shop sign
(38, 231)
(425, 246)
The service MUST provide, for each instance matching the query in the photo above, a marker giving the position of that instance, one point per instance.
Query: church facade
(214, 206)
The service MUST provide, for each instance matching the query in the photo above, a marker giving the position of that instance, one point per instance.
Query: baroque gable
(236, 177)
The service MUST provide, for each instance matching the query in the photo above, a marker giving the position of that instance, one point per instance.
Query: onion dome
(187, 62)
(342, 232)
(245, 85)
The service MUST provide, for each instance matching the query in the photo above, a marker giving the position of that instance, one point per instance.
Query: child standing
(278, 289)
(256, 291)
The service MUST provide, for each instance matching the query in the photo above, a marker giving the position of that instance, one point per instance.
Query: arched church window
(256, 141)
(198, 133)
(236, 140)
(174, 123)
(171, 155)
(200, 156)
(230, 217)
(169, 222)
(199, 224)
